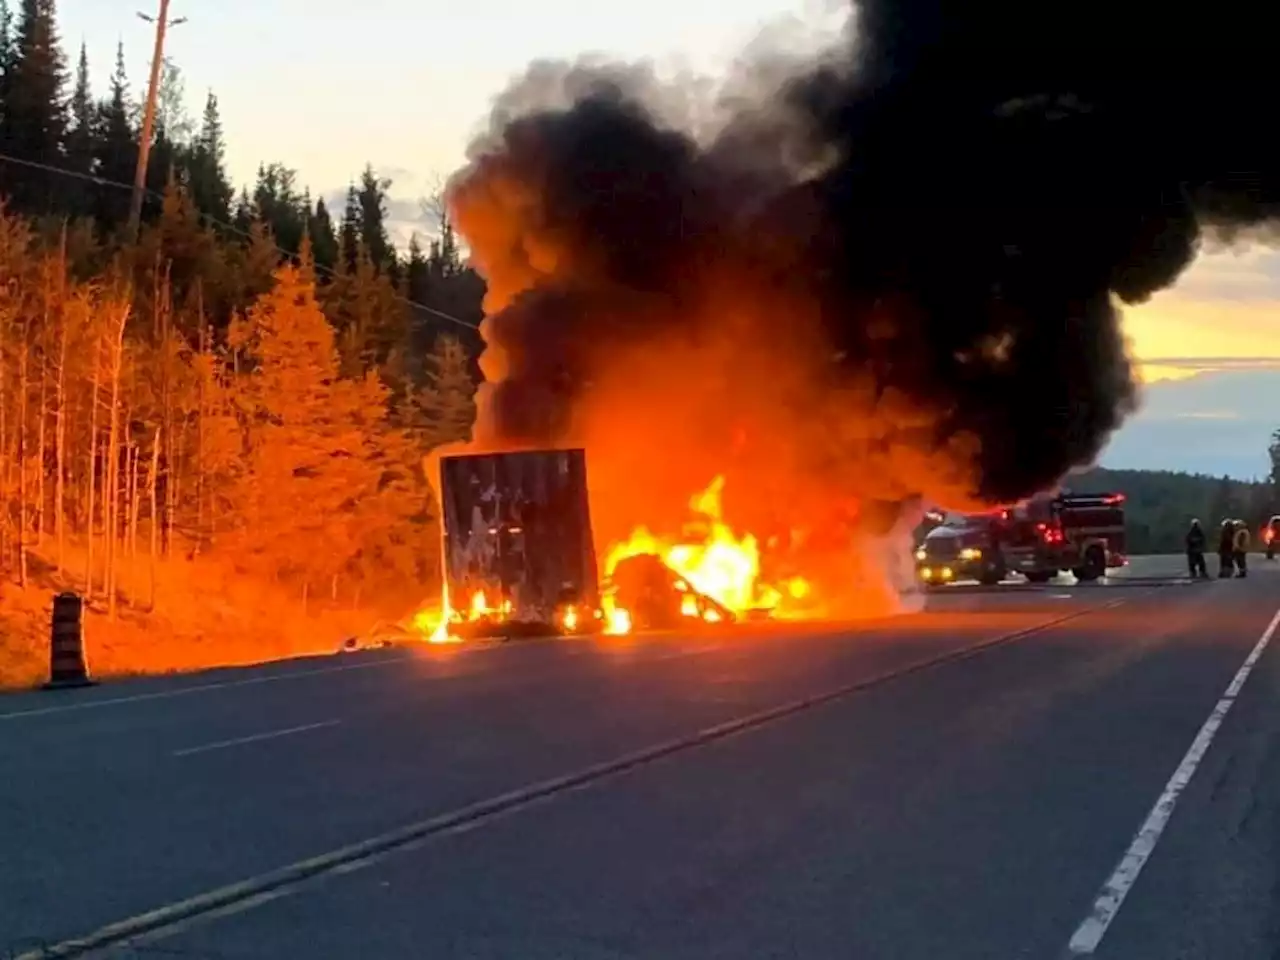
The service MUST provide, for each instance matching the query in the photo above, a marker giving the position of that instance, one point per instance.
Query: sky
(326, 86)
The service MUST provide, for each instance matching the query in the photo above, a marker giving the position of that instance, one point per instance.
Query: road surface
(965, 782)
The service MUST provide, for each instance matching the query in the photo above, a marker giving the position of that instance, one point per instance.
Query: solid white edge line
(255, 738)
(1089, 934)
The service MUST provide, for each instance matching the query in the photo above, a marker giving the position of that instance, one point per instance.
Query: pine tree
(372, 200)
(416, 271)
(34, 123)
(444, 411)
(276, 203)
(80, 138)
(117, 150)
(313, 436)
(210, 187)
(162, 168)
(8, 55)
(324, 241)
(349, 232)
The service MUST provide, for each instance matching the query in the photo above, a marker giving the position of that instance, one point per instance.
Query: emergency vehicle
(1039, 538)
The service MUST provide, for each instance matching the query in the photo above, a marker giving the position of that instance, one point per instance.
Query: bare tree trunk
(164, 298)
(155, 519)
(202, 400)
(112, 502)
(93, 464)
(41, 438)
(134, 495)
(60, 447)
(4, 446)
(23, 393)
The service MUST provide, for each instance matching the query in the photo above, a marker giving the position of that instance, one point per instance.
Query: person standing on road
(1196, 543)
(1226, 548)
(1240, 548)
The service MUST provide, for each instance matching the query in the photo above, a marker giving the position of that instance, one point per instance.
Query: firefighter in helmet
(1240, 548)
(1226, 548)
(1196, 543)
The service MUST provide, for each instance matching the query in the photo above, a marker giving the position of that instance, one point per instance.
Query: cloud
(1215, 421)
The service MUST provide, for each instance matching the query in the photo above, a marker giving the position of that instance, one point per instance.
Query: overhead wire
(231, 228)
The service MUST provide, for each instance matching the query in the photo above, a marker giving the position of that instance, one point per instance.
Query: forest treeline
(246, 388)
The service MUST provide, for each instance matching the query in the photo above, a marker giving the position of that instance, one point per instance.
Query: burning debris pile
(860, 279)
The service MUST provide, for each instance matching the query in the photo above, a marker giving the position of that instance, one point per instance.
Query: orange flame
(712, 558)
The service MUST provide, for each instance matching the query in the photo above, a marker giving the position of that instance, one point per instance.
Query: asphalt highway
(1039, 772)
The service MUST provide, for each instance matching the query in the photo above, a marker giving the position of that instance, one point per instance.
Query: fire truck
(1080, 533)
(1039, 538)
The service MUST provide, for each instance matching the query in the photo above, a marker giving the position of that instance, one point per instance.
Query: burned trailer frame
(517, 529)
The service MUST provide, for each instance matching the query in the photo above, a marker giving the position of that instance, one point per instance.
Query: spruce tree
(80, 139)
(34, 123)
(372, 200)
(349, 233)
(8, 55)
(117, 148)
(324, 241)
(444, 410)
(277, 203)
(210, 188)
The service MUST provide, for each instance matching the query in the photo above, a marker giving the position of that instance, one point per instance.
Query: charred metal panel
(518, 527)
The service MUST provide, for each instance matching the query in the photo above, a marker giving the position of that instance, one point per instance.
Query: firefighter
(1240, 548)
(1196, 543)
(1226, 549)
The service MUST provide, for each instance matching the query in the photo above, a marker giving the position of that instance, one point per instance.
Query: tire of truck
(1271, 552)
(1095, 566)
(993, 574)
(1039, 576)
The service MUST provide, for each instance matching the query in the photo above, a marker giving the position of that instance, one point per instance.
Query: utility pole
(162, 23)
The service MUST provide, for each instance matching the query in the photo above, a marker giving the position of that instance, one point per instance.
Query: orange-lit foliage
(260, 504)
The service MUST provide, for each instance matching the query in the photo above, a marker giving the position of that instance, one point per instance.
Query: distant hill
(1161, 503)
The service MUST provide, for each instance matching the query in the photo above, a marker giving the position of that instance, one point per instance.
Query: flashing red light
(1116, 498)
(1050, 534)
(1268, 535)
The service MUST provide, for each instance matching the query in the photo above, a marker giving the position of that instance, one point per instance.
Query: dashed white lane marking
(255, 738)
(1089, 934)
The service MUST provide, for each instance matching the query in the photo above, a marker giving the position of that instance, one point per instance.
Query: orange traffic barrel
(67, 666)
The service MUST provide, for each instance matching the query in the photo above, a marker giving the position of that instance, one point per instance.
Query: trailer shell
(517, 526)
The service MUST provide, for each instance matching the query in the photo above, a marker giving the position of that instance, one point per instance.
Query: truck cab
(961, 547)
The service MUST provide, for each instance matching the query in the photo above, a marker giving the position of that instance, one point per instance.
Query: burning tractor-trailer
(518, 552)
(520, 560)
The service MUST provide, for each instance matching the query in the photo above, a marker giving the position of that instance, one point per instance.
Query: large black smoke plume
(894, 270)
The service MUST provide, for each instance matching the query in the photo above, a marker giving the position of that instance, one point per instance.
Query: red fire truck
(1080, 533)
(1046, 535)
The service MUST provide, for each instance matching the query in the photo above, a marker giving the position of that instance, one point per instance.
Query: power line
(231, 228)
